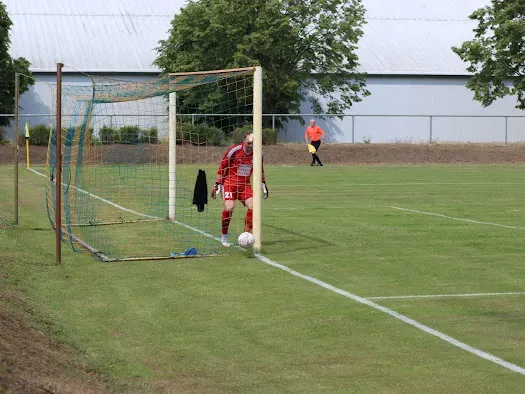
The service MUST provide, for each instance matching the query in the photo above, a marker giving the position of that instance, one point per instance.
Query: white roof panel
(401, 36)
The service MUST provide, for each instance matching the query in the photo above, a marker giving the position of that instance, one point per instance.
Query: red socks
(226, 217)
(248, 220)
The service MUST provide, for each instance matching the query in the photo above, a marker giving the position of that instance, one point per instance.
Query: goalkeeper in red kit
(233, 183)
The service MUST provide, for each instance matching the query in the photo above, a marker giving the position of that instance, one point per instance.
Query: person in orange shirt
(314, 135)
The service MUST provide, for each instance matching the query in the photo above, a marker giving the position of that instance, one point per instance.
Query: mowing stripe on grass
(458, 219)
(445, 295)
(414, 323)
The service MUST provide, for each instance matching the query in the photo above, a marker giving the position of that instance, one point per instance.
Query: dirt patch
(298, 154)
(31, 362)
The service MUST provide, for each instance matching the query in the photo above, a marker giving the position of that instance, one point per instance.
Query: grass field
(236, 323)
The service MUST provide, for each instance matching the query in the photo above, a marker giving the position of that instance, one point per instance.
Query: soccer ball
(246, 240)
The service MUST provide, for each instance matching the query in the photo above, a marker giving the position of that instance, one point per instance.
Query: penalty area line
(403, 318)
(446, 295)
(457, 219)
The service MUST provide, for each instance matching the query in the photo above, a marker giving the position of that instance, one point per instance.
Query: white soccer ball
(246, 240)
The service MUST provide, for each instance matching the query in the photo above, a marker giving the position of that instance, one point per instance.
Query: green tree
(307, 48)
(8, 68)
(497, 53)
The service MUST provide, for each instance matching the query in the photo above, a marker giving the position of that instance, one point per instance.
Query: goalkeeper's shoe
(225, 240)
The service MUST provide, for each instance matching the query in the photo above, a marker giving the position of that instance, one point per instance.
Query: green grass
(234, 323)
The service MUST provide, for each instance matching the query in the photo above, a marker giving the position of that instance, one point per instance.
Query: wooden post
(58, 177)
(17, 148)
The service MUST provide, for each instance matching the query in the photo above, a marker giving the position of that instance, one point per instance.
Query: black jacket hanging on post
(200, 194)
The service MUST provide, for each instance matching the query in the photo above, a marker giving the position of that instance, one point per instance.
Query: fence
(356, 128)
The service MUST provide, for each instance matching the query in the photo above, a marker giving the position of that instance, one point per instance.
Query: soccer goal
(139, 161)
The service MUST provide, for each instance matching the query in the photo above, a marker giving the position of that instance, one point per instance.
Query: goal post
(172, 146)
(257, 157)
(140, 159)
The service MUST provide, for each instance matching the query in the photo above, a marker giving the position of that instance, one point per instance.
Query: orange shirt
(315, 133)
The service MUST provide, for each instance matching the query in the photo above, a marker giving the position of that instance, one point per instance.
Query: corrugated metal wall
(455, 115)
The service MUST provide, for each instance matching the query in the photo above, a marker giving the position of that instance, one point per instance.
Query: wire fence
(353, 128)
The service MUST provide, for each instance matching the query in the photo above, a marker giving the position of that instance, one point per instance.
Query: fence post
(15, 144)
(273, 122)
(430, 136)
(192, 120)
(506, 129)
(353, 129)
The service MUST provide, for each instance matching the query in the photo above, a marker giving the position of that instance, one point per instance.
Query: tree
(8, 68)
(307, 48)
(497, 53)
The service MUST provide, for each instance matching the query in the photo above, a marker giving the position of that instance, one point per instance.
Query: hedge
(199, 134)
(128, 135)
(38, 135)
(269, 136)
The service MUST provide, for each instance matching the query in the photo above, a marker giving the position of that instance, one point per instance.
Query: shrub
(199, 134)
(2, 136)
(39, 135)
(238, 134)
(149, 136)
(129, 135)
(269, 136)
(108, 135)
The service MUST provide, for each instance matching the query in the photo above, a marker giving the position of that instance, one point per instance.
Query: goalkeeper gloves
(265, 190)
(216, 190)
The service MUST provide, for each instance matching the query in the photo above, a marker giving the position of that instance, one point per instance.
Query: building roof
(403, 37)
(90, 35)
(415, 37)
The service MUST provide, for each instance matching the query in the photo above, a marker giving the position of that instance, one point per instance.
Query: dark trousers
(316, 145)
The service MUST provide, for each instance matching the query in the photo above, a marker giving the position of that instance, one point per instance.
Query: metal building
(417, 82)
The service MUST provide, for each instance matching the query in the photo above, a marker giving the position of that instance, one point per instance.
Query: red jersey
(236, 166)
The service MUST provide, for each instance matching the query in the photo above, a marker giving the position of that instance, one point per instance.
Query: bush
(199, 134)
(38, 135)
(150, 136)
(108, 135)
(269, 136)
(128, 135)
(238, 134)
(3, 141)
(131, 134)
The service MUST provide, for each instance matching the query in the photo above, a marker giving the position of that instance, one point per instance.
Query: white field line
(405, 319)
(350, 184)
(414, 323)
(446, 295)
(458, 219)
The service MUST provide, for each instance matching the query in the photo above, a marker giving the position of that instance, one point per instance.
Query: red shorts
(239, 192)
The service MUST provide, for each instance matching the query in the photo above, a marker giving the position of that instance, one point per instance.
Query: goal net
(139, 161)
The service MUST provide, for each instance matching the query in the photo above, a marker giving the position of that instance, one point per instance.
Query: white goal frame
(257, 150)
